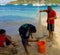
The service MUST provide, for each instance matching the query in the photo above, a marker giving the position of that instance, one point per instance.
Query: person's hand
(48, 20)
(51, 18)
(42, 11)
(14, 44)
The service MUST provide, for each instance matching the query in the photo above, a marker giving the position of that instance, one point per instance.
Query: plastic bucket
(41, 46)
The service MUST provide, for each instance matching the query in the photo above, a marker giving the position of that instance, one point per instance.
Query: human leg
(9, 41)
(50, 28)
(50, 35)
(24, 42)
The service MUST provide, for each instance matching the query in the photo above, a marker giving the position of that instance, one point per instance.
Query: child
(5, 40)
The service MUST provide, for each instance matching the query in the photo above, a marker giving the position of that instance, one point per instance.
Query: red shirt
(2, 40)
(51, 14)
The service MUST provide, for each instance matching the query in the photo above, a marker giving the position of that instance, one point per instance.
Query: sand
(52, 48)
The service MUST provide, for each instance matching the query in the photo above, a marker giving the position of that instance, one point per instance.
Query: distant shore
(34, 4)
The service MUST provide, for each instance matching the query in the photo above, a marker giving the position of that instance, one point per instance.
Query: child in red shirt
(5, 40)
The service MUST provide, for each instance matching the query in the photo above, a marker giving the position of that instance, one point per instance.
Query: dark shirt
(24, 31)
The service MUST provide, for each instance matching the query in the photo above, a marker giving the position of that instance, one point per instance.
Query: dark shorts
(24, 41)
(23, 38)
(7, 42)
(50, 27)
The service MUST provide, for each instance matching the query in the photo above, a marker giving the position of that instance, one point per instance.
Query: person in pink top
(51, 16)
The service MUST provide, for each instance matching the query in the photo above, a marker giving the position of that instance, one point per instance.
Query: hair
(33, 29)
(2, 31)
(49, 7)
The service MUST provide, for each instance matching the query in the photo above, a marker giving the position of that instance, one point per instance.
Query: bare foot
(48, 40)
(14, 44)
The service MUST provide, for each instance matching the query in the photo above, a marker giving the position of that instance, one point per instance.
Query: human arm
(9, 38)
(32, 40)
(43, 11)
(52, 18)
(11, 41)
(31, 36)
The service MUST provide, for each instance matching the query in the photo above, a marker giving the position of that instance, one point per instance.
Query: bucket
(41, 47)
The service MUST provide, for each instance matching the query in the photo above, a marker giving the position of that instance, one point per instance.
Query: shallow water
(12, 16)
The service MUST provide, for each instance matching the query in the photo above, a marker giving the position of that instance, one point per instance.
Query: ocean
(13, 16)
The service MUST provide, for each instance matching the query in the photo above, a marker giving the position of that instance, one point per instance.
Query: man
(51, 16)
(25, 32)
(5, 40)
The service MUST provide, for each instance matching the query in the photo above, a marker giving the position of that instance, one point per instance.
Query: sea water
(13, 16)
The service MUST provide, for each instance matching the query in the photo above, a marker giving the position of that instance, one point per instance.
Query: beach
(12, 17)
(52, 48)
